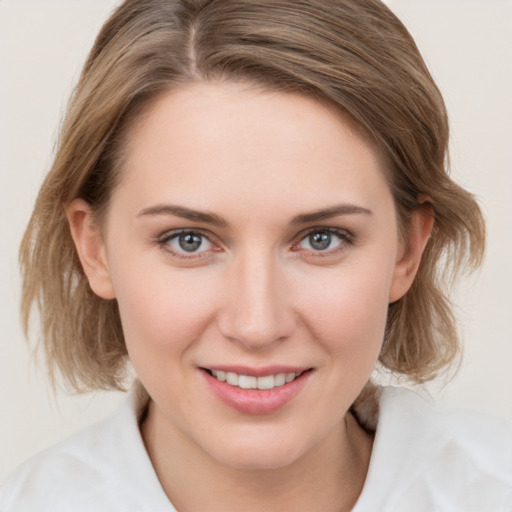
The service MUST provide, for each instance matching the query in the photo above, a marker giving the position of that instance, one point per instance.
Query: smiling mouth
(252, 382)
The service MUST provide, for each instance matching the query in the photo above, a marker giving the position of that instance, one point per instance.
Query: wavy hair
(353, 54)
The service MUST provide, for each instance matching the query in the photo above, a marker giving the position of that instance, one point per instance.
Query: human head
(317, 48)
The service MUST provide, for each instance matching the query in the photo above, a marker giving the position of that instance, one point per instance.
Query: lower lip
(256, 401)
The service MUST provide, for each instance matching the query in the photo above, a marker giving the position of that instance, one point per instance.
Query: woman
(249, 203)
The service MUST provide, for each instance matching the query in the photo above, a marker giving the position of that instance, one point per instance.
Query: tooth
(266, 382)
(280, 379)
(250, 382)
(247, 382)
(232, 378)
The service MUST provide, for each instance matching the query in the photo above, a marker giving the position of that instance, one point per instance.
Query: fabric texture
(424, 459)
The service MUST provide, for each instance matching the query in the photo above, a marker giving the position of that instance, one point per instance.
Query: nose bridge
(257, 311)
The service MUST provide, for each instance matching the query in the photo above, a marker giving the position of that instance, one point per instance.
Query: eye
(324, 240)
(186, 243)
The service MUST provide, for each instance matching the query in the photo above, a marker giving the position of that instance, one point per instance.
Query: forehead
(248, 143)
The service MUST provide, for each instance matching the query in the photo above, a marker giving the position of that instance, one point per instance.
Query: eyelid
(165, 237)
(346, 239)
(341, 232)
(345, 236)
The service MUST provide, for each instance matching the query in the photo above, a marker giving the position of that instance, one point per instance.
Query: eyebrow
(184, 213)
(215, 220)
(327, 213)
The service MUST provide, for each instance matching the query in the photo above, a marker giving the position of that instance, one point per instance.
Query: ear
(90, 247)
(409, 257)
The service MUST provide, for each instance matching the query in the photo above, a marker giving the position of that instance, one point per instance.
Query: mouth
(256, 391)
(252, 382)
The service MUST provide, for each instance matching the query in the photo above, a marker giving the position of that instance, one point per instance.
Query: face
(252, 238)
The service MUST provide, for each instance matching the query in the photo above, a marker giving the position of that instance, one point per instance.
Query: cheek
(348, 310)
(162, 311)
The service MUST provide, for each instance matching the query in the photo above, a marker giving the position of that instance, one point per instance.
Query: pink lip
(256, 401)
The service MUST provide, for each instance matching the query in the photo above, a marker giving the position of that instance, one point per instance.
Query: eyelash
(165, 239)
(346, 239)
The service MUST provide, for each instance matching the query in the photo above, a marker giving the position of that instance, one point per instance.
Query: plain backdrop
(468, 47)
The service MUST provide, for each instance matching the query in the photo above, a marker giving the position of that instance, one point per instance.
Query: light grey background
(468, 47)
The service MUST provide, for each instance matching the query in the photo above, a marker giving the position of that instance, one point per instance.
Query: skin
(257, 292)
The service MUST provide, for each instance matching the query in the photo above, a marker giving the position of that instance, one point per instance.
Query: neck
(328, 478)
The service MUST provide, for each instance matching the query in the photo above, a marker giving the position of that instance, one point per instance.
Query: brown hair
(354, 54)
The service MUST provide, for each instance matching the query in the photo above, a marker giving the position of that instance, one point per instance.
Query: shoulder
(103, 468)
(439, 459)
(405, 412)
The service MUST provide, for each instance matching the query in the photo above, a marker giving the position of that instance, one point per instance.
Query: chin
(255, 452)
(255, 460)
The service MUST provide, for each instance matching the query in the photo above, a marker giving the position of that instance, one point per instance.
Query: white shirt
(424, 459)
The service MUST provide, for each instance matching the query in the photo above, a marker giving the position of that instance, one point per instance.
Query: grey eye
(320, 241)
(190, 242)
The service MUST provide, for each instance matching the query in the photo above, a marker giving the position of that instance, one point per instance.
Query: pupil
(320, 241)
(189, 242)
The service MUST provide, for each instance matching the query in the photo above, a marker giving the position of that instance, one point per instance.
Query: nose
(257, 309)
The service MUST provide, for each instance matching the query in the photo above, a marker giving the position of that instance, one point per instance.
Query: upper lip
(261, 371)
